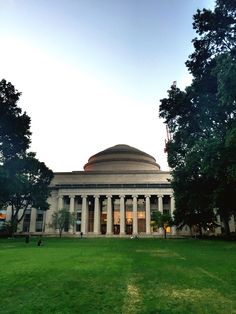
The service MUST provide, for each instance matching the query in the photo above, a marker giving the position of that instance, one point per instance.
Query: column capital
(84, 195)
(71, 196)
(121, 196)
(108, 196)
(147, 196)
(171, 195)
(60, 196)
(96, 196)
(160, 195)
(135, 196)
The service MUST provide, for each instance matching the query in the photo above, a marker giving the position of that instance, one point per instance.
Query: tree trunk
(164, 233)
(12, 227)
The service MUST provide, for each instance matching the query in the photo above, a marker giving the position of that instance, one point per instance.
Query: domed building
(116, 194)
(119, 190)
(121, 158)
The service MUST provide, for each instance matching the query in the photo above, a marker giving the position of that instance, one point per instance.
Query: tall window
(90, 215)
(26, 222)
(39, 221)
(78, 221)
(141, 216)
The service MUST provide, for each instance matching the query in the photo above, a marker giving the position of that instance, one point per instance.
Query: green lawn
(117, 276)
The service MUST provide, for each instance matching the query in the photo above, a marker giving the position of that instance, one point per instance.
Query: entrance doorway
(129, 229)
(116, 229)
(103, 228)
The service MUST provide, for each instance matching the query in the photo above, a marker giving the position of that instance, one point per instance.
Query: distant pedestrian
(81, 235)
(40, 242)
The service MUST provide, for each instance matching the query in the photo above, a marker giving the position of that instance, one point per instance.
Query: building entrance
(103, 228)
(129, 229)
(116, 229)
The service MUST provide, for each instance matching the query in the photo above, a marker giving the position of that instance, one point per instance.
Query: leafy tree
(193, 211)
(62, 220)
(14, 125)
(24, 180)
(216, 35)
(26, 186)
(202, 120)
(162, 220)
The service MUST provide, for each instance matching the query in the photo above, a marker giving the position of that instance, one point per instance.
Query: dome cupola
(121, 158)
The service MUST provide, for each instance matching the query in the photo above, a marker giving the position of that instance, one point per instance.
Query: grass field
(117, 276)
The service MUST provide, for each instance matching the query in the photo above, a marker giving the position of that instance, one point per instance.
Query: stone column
(33, 219)
(172, 208)
(148, 215)
(48, 220)
(53, 201)
(60, 202)
(72, 211)
(8, 213)
(44, 222)
(135, 214)
(97, 216)
(122, 214)
(160, 203)
(20, 224)
(84, 218)
(109, 215)
(160, 209)
(232, 224)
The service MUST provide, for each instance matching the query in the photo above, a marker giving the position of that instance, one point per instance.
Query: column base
(109, 233)
(97, 233)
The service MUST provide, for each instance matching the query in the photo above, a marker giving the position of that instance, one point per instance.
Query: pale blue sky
(92, 71)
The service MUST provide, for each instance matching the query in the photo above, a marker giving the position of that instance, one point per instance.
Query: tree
(62, 220)
(185, 152)
(162, 220)
(26, 185)
(24, 180)
(202, 120)
(216, 35)
(14, 125)
(192, 210)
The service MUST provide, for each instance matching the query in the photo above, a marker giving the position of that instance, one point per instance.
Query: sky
(92, 72)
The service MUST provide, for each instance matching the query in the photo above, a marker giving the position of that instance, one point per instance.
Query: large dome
(121, 158)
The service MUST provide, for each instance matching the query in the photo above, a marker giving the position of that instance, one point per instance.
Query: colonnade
(109, 212)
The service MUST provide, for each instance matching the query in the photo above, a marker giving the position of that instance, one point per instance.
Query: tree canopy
(62, 220)
(24, 180)
(202, 121)
(14, 125)
(162, 220)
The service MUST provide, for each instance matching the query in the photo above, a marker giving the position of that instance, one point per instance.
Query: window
(78, 221)
(39, 217)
